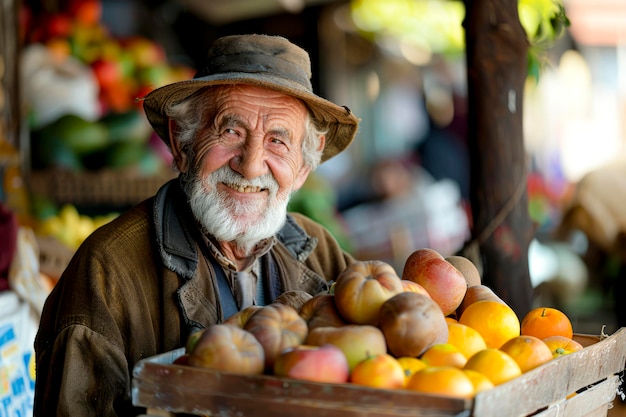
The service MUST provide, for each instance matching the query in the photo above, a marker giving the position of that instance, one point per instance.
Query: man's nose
(251, 161)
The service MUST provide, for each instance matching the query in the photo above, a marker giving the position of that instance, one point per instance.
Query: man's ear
(180, 156)
(305, 170)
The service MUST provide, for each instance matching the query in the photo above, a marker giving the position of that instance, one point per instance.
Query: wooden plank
(179, 388)
(589, 403)
(554, 380)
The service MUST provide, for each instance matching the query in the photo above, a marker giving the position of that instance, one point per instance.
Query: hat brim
(342, 124)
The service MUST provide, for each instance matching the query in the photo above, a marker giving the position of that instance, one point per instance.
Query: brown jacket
(135, 288)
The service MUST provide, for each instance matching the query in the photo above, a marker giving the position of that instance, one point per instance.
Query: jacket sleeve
(82, 374)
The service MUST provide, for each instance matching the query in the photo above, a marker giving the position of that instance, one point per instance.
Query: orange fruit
(561, 345)
(451, 319)
(495, 321)
(496, 365)
(543, 322)
(444, 354)
(410, 366)
(442, 380)
(465, 338)
(378, 371)
(528, 351)
(480, 381)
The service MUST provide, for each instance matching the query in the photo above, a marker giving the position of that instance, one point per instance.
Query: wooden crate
(591, 373)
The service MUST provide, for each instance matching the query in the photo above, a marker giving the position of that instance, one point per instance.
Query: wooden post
(496, 72)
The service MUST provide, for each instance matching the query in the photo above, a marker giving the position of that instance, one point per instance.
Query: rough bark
(496, 71)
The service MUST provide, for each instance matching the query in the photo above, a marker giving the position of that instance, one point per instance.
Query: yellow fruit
(465, 338)
(444, 354)
(495, 365)
(496, 322)
(410, 366)
(442, 380)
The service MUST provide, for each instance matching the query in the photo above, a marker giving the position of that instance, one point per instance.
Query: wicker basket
(105, 187)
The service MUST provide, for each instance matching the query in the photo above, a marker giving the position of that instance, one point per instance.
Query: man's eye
(230, 131)
(277, 141)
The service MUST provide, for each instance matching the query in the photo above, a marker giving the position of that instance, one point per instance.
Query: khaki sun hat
(261, 60)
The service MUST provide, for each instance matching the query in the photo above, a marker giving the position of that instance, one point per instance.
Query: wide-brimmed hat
(261, 60)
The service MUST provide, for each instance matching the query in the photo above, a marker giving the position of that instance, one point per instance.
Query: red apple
(276, 327)
(325, 363)
(362, 287)
(228, 348)
(357, 341)
(445, 284)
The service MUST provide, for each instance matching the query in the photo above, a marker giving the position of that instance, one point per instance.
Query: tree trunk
(496, 71)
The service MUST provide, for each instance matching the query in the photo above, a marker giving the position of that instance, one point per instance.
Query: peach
(357, 341)
(325, 363)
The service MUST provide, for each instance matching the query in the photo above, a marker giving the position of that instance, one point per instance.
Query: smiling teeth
(245, 189)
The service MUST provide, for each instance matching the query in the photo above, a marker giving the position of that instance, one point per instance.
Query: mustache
(235, 180)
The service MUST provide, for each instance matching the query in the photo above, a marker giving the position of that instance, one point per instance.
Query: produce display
(433, 329)
(81, 85)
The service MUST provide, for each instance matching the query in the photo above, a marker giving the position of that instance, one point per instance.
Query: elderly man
(245, 133)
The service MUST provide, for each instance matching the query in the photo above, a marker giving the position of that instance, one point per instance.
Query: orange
(480, 381)
(495, 321)
(496, 365)
(444, 354)
(528, 351)
(451, 319)
(410, 366)
(378, 371)
(442, 380)
(465, 338)
(561, 345)
(544, 322)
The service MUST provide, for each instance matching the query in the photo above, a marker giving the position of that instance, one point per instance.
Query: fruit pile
(435, 329)
(80, 88)
(70, 227)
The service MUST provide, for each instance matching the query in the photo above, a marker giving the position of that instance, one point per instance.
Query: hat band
(251, 62)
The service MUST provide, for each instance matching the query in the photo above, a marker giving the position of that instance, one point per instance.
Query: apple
(356, 341)
(228, 348)
(326, 363)
(445, 284)
(321, 311)
(411, 323)
(412, 286)
(362, 287)
(276, 327)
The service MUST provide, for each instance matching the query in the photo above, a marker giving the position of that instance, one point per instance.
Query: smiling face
(244, 163)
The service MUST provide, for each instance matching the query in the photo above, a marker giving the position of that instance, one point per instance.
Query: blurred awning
(221, 12)
(597, 22)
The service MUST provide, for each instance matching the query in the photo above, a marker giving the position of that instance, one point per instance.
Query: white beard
(230, 221)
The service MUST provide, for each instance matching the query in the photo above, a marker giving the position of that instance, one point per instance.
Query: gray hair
(189, 120)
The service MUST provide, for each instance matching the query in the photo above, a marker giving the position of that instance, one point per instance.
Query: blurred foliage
(436, 26)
